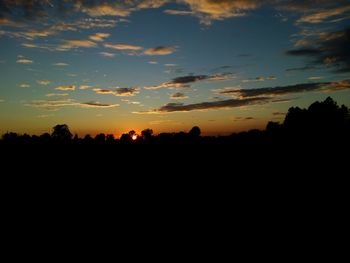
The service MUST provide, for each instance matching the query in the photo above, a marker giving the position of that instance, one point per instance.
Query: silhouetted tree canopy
(147, 133)
(195, 132)
(61, 132)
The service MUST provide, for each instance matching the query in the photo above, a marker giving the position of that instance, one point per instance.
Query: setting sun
(134, 137)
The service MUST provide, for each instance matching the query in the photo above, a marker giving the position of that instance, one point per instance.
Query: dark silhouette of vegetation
(61, 132)
(322, 128)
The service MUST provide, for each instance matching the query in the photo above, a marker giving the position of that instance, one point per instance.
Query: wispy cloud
(76, 43)
(283, 90)
(178, 96)
(55, 104)
(107, 54)
(322, 15)
(103, 9)
(84, 87)
(99, 37)
(208, 10)
(44, 82)
(258, 79)
(97, 105)
(24, 85)
(153, 62)
(60, 64)
(159, 51)
(203, 106)
(186, 81)
(56, 94)
(119, 92)
(123, 47)
(66, 88)
(24, 61)
(328, 49)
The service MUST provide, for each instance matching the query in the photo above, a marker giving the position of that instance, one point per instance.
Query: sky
(114, 66)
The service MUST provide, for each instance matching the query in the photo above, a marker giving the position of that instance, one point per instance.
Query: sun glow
(134, 137)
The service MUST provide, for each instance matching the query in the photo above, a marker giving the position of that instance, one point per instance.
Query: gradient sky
(114, 66)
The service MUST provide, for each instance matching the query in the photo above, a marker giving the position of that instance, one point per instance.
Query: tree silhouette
(195, 132)
(61, 132)
(100, 138)
(147, 134)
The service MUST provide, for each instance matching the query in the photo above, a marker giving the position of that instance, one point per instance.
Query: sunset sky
(168, 65)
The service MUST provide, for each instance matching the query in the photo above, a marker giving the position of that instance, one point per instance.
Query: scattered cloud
(330, 49)
(107, 54)
(103, 9)
(315, 78)
(58, 103)
(119, 92)
(258, 79)
(97, 105)
(76, 43)
(170, 65)
(66, 88)
(24, 61)
(24, 85)
(185, 81)
(283, 90)
(131, 102)
(322, 15)
(99, 37)
(153, 62)
(123, 47)
(84, 87)
(56, 94)
(60, 64)
(212, 105)
(208, 10)
(159, 51)
(178, 96)
(44, 82)
(243, 118)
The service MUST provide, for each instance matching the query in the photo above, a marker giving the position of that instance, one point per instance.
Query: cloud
(153, 62)
(99, 37)
(58, 103)
(60, 64)
(52, 103)
(103, 9)
(84, 87)
(56, 94)
(107, 54)
(44, 82)
(2, 100)
(258, 79)
(322, 15)
(75, 43)
(66, 88)
(131, 102)
(210, 10)
(24, 85)
(315, 78)
(178, 12)
(119, 92)
(123, 47)
(24, 61)
(185, 81)
(178, 96)
(330, 49)
(159, 51)
(97, 105)
(283, 90)
(213, 105)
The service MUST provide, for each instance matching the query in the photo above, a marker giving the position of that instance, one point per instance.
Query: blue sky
(113, 66)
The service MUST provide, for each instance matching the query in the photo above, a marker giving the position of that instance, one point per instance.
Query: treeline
(323, 121)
